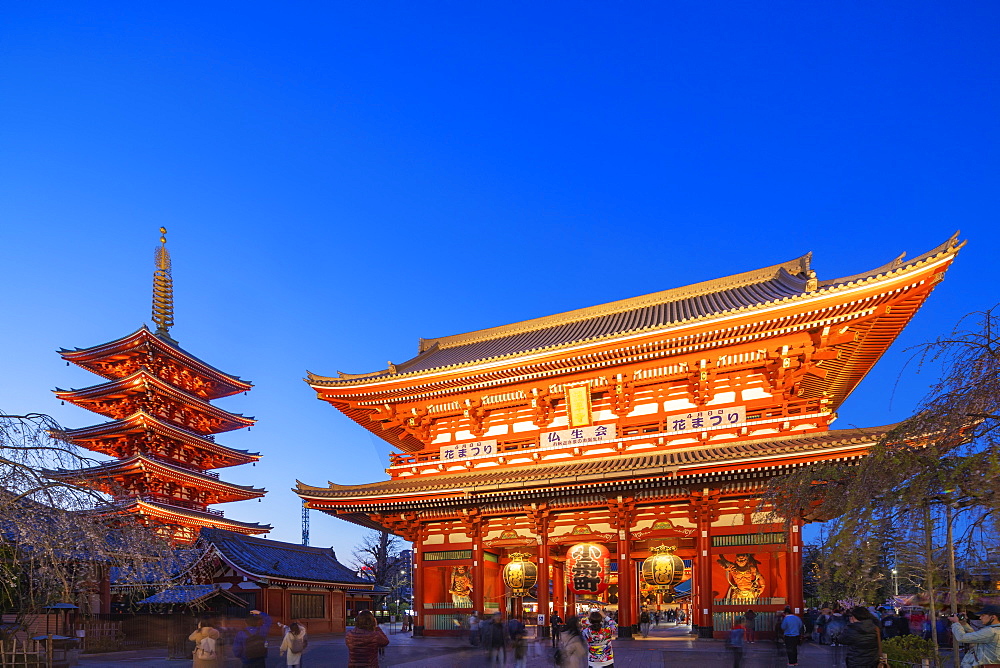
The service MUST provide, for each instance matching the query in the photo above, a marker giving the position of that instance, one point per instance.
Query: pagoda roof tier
(122, 357)
(109, 438)
(522, 483)
(188, 517)
(853, 319)
(121, 398)
(102, 477)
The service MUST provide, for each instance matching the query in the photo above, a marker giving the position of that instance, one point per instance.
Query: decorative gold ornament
(163, 289)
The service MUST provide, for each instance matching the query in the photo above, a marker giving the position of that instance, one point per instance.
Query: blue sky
(340, 179)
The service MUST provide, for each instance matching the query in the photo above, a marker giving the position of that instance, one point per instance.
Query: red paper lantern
(588, 567)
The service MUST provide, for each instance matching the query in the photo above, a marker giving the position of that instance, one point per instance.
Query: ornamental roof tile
(748, 290)
(284, 561)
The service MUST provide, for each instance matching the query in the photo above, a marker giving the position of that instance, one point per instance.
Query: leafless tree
(59, 542)
(933, 472)
(378, 558)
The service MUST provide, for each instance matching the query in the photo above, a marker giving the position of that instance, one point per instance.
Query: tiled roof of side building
(274, 559)
(649, 312)
(603, 468)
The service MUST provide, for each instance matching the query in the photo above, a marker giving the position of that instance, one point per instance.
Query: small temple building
(601, 457)
(161, 434)
(289, 581)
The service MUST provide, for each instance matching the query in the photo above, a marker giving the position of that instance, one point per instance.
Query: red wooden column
(538, 518)
(475, 525)
(794, 569)
(478, 573)
(418, 589)
(623, 513)
(703, 512)
(559, 589)
(415, 532)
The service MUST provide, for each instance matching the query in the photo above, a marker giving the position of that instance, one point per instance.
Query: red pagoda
(162, 428)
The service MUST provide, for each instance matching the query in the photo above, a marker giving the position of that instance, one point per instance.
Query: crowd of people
(585, 641)
(249, 644)
(581, 641)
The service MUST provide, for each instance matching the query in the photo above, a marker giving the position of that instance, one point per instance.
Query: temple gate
(589, 441)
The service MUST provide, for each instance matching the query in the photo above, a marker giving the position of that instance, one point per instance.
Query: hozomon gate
(648, 422)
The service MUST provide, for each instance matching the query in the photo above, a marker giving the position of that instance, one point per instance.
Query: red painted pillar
(418, 589)
(626, 585)
(559, 589)
(794, 569)
(703, 603)
(478, 572)
(543, 578)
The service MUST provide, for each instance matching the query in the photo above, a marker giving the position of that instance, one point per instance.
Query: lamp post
(895, 583)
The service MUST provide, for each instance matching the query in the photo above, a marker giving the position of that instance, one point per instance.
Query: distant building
(289, 581)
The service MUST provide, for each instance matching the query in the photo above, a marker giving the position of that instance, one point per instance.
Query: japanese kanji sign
(579, 436)
(454, 453)
(707, 419)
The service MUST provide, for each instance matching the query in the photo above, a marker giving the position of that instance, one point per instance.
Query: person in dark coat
(364, 642)
(495, 640)
(862, 639)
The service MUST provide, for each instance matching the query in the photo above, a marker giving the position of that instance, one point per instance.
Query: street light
(895, 583)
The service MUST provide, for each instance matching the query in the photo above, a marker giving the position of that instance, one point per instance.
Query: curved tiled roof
(284, 561)
(754, 289)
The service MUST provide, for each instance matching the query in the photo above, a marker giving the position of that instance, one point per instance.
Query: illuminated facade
(593, 439)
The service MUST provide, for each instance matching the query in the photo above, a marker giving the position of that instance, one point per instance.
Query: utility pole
(305, 524)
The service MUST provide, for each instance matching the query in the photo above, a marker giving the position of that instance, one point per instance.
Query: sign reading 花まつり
(708, 418)
(468, 450)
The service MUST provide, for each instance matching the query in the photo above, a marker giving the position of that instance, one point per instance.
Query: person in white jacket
(293, 644)
(985, 642)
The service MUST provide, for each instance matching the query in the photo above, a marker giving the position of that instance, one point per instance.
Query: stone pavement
(666, 646)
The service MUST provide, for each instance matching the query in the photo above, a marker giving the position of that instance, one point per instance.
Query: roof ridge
(799, 265)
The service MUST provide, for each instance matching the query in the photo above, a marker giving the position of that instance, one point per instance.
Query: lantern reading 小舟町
(519, 574)
(588, 567)
(663, 570)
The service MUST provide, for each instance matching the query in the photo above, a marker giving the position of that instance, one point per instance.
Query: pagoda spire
(163, 290)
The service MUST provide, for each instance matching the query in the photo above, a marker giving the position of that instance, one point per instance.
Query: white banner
(709, 418)
(579, 436)
(453, 453)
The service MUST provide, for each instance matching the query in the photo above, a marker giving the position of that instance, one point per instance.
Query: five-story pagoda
(162, 426)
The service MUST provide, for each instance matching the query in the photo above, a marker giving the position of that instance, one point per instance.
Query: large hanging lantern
(663, 571)
(519, 574)
(588, 565)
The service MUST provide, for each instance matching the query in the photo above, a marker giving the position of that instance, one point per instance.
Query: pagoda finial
(163, 289)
